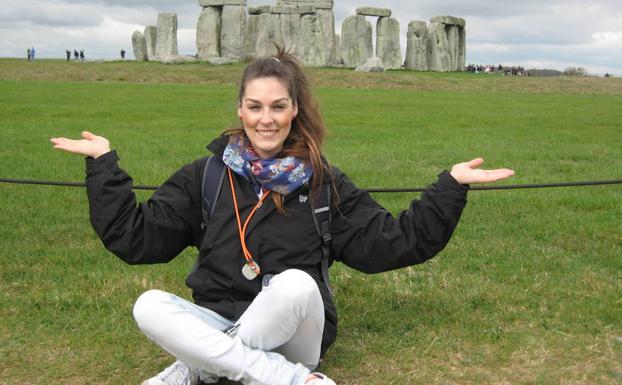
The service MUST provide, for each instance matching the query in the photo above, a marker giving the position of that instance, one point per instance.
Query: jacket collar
(218, 145)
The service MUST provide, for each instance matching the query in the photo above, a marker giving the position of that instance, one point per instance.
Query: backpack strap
(213, 176)
(320, 207)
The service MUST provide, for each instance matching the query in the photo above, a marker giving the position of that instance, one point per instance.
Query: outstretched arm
(91, 145)
(467, 173)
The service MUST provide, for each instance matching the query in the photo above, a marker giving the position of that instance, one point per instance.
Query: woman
(262, 313)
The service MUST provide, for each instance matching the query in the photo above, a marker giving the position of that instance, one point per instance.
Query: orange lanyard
(242, 230)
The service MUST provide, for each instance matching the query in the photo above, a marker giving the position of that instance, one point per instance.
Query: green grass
(527, 292)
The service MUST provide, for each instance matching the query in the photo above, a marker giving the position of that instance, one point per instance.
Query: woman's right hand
(92, 145)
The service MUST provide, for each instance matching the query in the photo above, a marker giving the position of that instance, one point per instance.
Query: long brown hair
(308, 130)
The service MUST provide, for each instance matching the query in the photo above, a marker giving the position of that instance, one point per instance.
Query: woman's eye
(254, 108)
(279, 107)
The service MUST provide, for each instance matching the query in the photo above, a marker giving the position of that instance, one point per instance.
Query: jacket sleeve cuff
(447, 181)
(103, 161)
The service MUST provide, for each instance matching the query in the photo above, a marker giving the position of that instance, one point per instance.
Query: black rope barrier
(371, 190)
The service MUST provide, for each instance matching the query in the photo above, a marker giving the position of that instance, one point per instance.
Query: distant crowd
(77, 55)
(506, 70)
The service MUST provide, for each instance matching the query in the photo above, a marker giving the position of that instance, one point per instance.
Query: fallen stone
(356, 41)
(372, 11)
(166, 40)
(217, 61)
(258, 10)
(151, 36)
(232, 32)
(178, 59)
(417, 46)
(388, 42)
(450, 20)
(139, 46)
(208, 33)
(373, 64)
(220, 3)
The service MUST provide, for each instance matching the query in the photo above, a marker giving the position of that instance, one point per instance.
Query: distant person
(81, 56)
(76, 56)
(122, 54)
(28, 53)
(68, 52)
(32, 54)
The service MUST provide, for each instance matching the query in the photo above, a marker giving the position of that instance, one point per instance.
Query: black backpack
(213, 177)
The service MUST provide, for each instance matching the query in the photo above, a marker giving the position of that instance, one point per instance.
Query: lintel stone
(291, 9)
(372, 11)
(258, 10)
(318, 4)
(449, 20)
(218, 3)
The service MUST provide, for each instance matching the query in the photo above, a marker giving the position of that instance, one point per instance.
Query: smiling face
(267, 112)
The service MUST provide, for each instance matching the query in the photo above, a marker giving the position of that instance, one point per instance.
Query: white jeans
(278, 337)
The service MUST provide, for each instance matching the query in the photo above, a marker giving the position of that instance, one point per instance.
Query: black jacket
(366, 237)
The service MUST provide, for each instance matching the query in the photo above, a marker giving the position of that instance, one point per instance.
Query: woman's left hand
(467, 173)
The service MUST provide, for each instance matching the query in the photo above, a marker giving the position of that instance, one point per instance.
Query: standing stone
(290, 27)
(268, 35)
(166, 40)
(208, 33)
(462, 50)
(139, 46)
(417, 46)
(250, 37)
(233, 30)
(151, 35)
(447, 43)
(326, 18)
(338, 60)
(312, 48)
(438, 46)
(356, 41)
(388, 42)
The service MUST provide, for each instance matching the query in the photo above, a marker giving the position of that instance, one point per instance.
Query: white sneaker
(176, 374)
(319, 379)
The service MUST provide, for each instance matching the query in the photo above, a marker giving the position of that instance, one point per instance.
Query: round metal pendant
(249, 273)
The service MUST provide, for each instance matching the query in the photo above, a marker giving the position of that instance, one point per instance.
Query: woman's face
(267, 112)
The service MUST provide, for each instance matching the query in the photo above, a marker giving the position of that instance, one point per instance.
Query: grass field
(529, 290)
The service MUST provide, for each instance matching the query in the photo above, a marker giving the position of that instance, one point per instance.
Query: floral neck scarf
(281, 175)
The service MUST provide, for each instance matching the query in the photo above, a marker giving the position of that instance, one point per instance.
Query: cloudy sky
(533, 33)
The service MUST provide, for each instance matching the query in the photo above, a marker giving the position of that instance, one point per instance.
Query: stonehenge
(229, 31)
